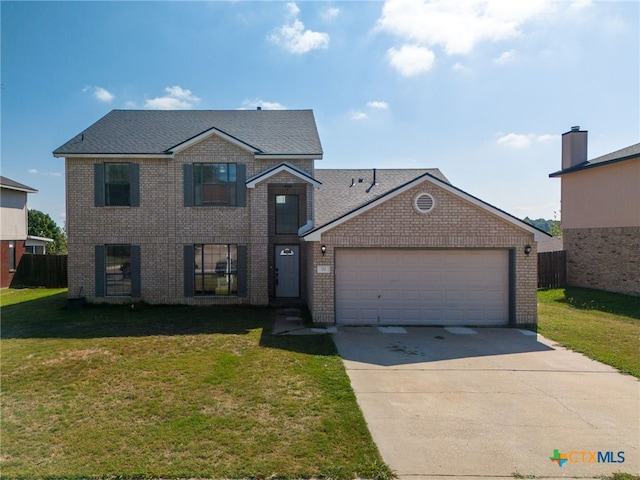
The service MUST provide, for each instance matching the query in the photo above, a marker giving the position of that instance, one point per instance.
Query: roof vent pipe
(373, 182)
(258, 108)
(574, 148)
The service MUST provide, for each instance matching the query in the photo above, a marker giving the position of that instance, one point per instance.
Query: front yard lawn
(172, 391)
(604, 326)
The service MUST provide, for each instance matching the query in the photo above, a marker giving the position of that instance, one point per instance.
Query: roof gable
(344, 190)
(315, 234)
(283, 167)
(162, 132)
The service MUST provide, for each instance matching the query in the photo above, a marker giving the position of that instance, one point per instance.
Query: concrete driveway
(490, 403)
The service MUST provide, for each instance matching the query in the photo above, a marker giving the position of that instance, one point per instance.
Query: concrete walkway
(289, 321)
(490, 403)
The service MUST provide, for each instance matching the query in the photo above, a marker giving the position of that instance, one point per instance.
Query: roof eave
(590, 165)
(17, 189)
(112, 155)
(288, 156)
(315, 234)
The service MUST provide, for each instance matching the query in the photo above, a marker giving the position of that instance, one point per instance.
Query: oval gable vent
(424, 203)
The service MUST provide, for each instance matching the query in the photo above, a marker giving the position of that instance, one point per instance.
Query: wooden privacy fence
(41, 271)
(552, 269)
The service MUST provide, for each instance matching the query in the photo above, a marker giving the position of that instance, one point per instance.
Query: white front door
(287, 271)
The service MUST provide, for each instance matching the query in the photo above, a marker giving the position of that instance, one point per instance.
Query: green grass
(604, 326)
(172, 392)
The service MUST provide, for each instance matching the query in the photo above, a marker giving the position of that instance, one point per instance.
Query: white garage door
(422, 287)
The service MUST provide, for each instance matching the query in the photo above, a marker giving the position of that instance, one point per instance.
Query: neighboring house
(37, 245)
(601, 215)
(14, 238)
(226, 207)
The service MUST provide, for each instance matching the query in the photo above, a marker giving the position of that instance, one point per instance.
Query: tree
(552, 227)
(42, 225)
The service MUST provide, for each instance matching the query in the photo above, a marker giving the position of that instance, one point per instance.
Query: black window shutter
(189, 263)
(241, 188)
(188, 185)
(242, 270)
(98, 185)
(134, 181)
(100, 271)
(136, 269)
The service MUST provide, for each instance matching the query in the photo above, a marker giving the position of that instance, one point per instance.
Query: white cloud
(457, 26)
(515, 140)
(295, 38)
(359, 116)
(177, 98)
(38, 172)
(293, 9)
(580, 5)
(411, 60)
(505, 57)
(100, 93)
(378, 104)
(547, 138)
(253, 104)
(519, 140)
(459, 67)
(331, 13)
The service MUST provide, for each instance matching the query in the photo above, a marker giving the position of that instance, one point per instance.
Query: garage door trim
(511, 271)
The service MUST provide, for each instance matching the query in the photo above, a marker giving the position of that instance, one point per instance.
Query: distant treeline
(550, 226)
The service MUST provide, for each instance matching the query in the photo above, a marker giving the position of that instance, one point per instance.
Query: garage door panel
(422, 286)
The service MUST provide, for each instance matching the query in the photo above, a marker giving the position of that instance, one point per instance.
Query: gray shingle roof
(271, 132)
(13, 185)
(627, 153)
(336, 197)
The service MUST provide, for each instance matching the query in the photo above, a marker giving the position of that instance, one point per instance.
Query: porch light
(527, 250)
(323, 249)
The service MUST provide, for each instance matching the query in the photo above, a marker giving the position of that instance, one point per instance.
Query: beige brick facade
(162, 225)
(453, 223)
(604, 258)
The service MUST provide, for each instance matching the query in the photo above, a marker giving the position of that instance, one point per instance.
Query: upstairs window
(287, 214)
(211, 184)
(214, 183)
(116, 185)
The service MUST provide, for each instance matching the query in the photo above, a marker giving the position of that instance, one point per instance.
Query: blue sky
(480, 89)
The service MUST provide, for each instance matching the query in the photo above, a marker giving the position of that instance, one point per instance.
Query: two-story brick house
(226, 207)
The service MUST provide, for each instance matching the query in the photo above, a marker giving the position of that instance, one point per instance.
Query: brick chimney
(574, 148)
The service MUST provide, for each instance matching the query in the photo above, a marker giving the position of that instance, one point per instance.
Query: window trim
(199, 278)
(189, 270)
(12, 256)
(240, 199)
(135, 267)
(231, 187)
(100, 184)
(297, 214)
